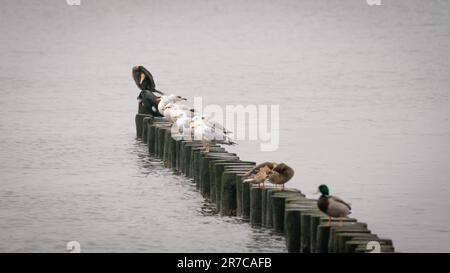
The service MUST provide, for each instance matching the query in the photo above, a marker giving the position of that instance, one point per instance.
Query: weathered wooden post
(342, 237)
(228, 193)
(166, 151)
(353, 227)
(307, 234)
(138, 120)
(278, 206)
(186, 157)
(145, 123)
(264, 203)
(239, 187)
(217, 169)
(323, 234)
(292, 223)
(255, 205)
(268, 208)
(205, 171)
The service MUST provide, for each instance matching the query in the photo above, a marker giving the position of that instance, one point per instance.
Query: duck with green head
(333, 206)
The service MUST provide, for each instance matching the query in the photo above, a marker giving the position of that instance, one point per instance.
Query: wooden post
(146, 121)
(307, 234)
(278, 205)
(255, 205)
(292, 224)
(204, 177)
(342, 237)
(138, 120)
(264, 203)
(166, 151)
(353, 227)
(228, 201)
(239, 186)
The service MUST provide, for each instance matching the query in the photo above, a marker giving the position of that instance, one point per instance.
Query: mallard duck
(333, 206)
(280, 174)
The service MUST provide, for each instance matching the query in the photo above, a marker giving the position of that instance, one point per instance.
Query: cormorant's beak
(142, 78)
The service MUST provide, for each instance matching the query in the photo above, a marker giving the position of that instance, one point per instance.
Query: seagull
(165, 100)
(174, 110)
(209, 131)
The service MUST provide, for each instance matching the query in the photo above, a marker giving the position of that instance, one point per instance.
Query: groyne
(218, 174)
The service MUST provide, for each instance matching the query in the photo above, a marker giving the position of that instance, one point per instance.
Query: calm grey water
(363, 93)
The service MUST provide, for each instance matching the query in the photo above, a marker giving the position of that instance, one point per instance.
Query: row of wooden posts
(218, 177)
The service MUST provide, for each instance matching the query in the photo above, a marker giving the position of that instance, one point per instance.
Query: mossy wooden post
(166, 152)
(239, 186)
(185, 157)
(307, 234)
(145, 123)
(228, 194)
(264, 201)
(162, 140)
(217, 167)
(255, 205)
(173, 154)
(240, 168)
(193, 164)
(316, 220)
(138, 120)
(292, 229)
(353, 227)
(293, 224)
(246, 200)
(342, 237)
(180, 154)
(268, 208)
(157, 140)
(323, 235)
(278, 206)
(205, 170)
(178, 148)
(151, 139)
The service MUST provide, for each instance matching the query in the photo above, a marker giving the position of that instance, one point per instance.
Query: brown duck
(277, 174)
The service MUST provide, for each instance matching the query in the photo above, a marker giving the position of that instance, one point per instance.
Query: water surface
(363, 93)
